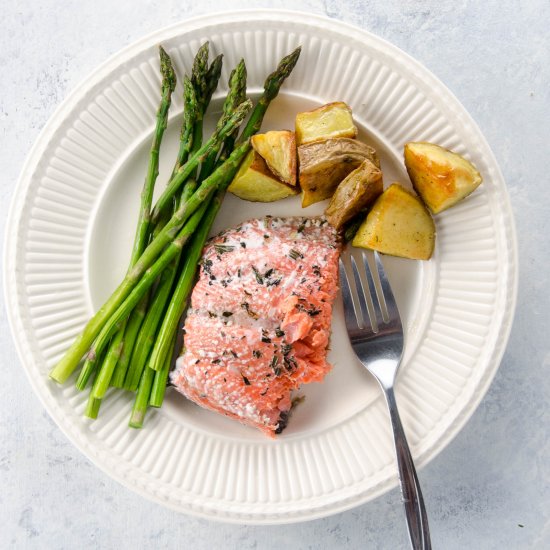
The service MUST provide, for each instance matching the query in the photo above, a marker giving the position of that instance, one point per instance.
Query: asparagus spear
(189, 117)
(212, 79)
(199, 78)
(131, 331)
(161, 377)
(142, 233)
(143, 227)
(142, 398)
(229, 142)
(92, 407)
(144, 221)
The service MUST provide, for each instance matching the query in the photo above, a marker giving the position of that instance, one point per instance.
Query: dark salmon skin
(259, 322)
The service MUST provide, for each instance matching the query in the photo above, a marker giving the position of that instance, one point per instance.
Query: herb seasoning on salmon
(259, 322)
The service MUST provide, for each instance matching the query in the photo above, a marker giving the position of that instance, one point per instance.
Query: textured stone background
(490, 488)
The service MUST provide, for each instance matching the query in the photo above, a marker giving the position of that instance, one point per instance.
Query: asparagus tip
(274, 81)
(166, 69)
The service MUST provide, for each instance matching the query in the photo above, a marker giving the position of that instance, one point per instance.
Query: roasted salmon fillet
(258, 326)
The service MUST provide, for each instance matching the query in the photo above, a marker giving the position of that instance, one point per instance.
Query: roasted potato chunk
(324, 164)
(329, 121)
(398, 224)
(358, 190)
(254, 182)
(278, 149)
(442, 178)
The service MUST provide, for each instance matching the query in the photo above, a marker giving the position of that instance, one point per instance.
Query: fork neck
(384, 369)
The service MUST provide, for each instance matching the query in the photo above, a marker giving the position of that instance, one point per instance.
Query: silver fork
(376, 335)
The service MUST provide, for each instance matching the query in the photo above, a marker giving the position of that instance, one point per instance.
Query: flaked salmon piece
(259, 322)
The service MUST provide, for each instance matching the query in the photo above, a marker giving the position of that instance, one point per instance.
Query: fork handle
(417, 519)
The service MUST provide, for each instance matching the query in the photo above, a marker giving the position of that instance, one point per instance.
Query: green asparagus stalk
(152, 384)
(142, 398)
(168, 85)
(189, 117)
(144, 221)
(88, 368)
(199, 78)
(92, 407)
(161, 356)
(199, 81)
(130, 335)
(161, 377)
(142, 234)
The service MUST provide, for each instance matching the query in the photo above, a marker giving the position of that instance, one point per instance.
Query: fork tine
(375, 287)
(350, 307)
(369, 289)
(385, 295)
(370, 314)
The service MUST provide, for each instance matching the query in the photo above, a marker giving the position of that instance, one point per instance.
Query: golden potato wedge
(254, 182)
(329, 121)
(442, 178)
(357, 191)
(398, 224)
(324, 164)
(278, 149)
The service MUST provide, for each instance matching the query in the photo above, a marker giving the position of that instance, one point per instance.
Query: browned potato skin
(360, 188)
(332, 120)
(278, 149)
(441, 177)
(398, 224)
(324, 164)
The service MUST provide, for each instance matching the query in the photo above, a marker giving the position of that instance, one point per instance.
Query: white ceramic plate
(68, 242)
